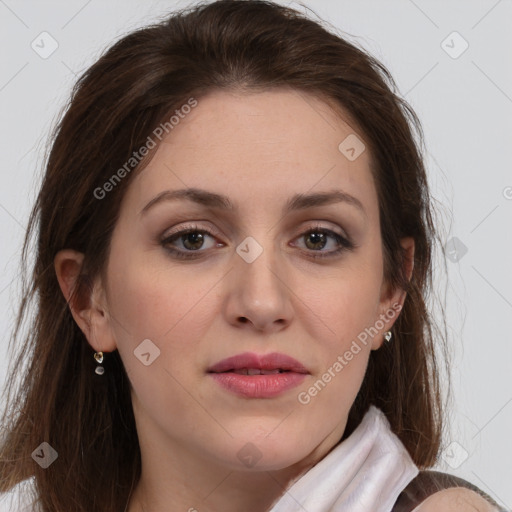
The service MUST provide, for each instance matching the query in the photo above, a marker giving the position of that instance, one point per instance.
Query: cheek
(162, 305)
(343, 362)
(346, 304)
(170, 306)
(154, 302)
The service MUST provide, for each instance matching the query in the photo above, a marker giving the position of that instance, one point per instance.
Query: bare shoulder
(455, 499)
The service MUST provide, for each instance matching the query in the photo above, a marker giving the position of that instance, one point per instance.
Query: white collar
(365, 472)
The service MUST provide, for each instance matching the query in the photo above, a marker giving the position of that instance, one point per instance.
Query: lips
(253, 364)
(257, 371)
(252, 376)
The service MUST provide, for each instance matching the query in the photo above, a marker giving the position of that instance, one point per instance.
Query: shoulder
(434, 491)
(456, 499)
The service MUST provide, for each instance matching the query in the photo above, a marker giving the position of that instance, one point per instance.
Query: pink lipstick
(258, 376)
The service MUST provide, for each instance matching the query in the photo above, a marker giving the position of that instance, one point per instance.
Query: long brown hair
(114, 106)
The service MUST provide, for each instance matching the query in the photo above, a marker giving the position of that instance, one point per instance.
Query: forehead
(267, 145)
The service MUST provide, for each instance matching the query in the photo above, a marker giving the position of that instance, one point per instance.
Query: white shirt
(365, 472)
(19, 498)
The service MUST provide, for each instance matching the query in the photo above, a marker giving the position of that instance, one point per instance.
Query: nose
(259, 297)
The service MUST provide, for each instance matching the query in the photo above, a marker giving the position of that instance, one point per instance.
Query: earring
(387, 335)
(99, 358)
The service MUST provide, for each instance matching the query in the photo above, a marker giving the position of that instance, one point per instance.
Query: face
(273, 273)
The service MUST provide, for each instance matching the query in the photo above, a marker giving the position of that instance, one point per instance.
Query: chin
(271, 453)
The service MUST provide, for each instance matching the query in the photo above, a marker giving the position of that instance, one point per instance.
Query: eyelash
(344, 243)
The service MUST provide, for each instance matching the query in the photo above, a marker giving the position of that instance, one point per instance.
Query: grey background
(464, 103)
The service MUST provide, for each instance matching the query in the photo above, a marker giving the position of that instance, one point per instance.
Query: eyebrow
(216, 201)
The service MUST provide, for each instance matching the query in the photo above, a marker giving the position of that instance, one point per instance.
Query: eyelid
(215, 232)
(343, 241)
(321, 227)
(191, 227)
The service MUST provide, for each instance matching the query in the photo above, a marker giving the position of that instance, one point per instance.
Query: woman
(234, 240)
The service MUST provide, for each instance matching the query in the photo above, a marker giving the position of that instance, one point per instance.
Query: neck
(180, 477)
(187, 481)
(214, 490)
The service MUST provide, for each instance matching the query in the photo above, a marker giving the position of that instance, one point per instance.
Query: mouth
(249, 363)
(255, 371)
(254, 376)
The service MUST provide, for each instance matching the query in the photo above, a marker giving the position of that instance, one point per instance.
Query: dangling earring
(387, 335)
(99, 358)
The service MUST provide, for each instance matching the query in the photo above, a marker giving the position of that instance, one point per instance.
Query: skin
(459, 499)
(259, 150)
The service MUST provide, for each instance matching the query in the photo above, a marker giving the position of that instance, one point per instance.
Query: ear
(392, 301)
(86, 300)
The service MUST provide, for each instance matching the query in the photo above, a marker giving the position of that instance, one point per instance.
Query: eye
(317, 238)
(192, 239)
